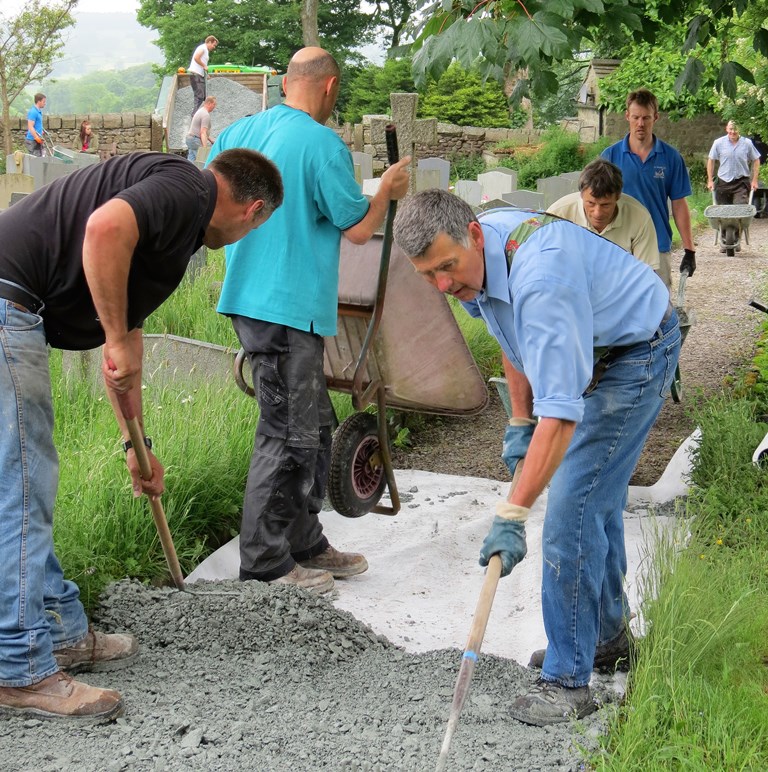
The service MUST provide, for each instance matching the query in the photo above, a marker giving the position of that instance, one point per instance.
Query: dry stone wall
(128, 131)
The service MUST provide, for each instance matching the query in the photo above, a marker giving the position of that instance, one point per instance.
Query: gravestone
(469, 191)
(498, 182)
(426, 179)
(525, 199)
(409, 130)
(553, 188)
(371, 186)
(196, 263)
(11, 184)
(363, 166)
(440, 165)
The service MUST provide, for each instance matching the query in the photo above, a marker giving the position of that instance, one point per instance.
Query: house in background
(590, 118)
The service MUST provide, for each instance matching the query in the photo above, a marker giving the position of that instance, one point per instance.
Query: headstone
(81, 160)
(13, 184)
(494, 203)
(442, 166)
(426, 179)
(553, 188)
(469, 191)
(498, 182)
(410, 131)
(525, 199)
(364, 163)
(16, 196)
(371, 187)
(196, 263)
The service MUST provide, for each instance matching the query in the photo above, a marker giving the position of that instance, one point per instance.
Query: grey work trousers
(292, 449)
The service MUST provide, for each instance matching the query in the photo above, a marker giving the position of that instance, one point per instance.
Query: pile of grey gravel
(233, 101)
(255, 677)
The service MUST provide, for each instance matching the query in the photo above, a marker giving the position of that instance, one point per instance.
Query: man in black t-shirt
(83, 262)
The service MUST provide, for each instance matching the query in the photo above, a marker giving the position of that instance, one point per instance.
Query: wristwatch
(127, 445)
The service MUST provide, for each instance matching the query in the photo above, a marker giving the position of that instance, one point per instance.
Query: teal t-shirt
(287, 271)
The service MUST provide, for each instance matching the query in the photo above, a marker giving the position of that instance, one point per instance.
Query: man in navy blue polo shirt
(653, 173)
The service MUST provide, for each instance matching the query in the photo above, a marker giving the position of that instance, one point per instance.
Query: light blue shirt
(663, 175)
(287, 271)
(35, 114)
(568, 292)
(735, 159)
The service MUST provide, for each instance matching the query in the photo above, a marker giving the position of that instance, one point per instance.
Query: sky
(84, 6)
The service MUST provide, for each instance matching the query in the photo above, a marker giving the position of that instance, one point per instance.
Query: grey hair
(601, 177)
(422, 218)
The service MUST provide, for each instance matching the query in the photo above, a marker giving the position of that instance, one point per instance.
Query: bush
(561, 152)
(369, 91)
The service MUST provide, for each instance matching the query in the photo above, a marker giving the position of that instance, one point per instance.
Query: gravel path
(249, 677)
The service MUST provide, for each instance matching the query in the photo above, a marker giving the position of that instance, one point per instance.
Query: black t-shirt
(41, 238)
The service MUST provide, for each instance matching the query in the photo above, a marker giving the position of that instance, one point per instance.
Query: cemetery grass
(698, 692)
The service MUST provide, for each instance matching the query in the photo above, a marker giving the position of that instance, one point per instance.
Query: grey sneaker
(340, 564)
(614, 655)
(307, 578)
(550, 703)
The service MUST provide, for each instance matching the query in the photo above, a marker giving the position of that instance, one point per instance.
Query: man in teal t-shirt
(281, 292)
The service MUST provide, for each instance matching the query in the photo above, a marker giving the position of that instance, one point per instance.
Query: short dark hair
(39, 97)
(644, 98)
(211, 39)
(251, 177)
(601, 177)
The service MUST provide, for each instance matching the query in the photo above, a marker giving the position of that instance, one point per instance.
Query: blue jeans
(292, 449)
(584, 559)
(40, 611)
(193, 145)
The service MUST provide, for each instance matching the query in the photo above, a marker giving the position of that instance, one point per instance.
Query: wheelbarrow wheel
(677, 386)
(730, 237)
(356, 477)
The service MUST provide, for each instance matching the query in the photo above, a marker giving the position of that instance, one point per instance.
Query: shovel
(475, 640)
(137, 440)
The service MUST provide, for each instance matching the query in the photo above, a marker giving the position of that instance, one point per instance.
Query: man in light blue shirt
(738, 166)
(590, 344)
(281, 292)
(33, 139)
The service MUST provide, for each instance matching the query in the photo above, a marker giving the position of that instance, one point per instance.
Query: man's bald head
(312, 63)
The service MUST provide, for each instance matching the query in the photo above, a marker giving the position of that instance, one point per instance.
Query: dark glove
(517, 438)
(689, 262)
(507, 539)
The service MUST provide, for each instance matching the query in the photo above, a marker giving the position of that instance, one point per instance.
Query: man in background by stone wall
(34, 136)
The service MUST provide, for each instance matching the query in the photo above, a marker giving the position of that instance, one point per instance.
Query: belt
(20, 297)
(615, 352)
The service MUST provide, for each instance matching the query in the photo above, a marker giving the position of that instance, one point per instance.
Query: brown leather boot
(340, 564)
(308, 579)
(60, 696)
(98, 652)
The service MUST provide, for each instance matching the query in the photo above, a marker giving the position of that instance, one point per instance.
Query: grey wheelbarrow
(731, 222)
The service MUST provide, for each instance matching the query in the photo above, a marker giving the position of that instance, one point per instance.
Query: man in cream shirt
(600, 206)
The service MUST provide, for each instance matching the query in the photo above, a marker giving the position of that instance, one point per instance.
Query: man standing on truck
(281, 292)
(198, 69)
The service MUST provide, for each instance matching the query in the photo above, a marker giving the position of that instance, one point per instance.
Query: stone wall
(452, 141)
(128, 131)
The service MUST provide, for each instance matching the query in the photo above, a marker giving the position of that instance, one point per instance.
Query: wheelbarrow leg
(386, 456)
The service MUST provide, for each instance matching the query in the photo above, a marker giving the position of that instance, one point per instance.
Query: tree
(251, 32)
(393, 15)
(30, 43)
(502, 37)
(370, 88)
(309, 23)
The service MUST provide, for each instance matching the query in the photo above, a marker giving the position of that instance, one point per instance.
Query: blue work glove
(688, 262)
(517, 438)
(506, 538)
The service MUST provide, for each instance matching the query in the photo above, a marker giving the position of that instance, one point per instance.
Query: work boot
(550, 703)
(609, 657)
(60, 696)
(340, 564)
(307, 578)
(98, 652)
